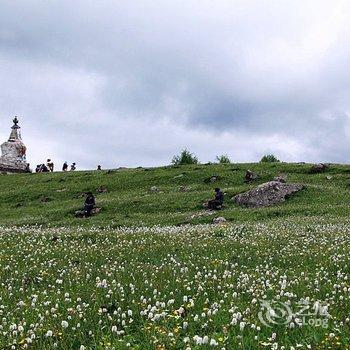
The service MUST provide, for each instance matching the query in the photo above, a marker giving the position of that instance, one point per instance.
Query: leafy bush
(185, 157)
(223, 159)
(269, 158)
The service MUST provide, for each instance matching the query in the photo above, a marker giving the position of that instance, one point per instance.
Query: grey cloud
(256, 68)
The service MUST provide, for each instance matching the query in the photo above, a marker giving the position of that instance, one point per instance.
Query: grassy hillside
(53, 198)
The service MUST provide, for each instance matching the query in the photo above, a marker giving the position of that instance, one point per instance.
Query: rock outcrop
(267, 194)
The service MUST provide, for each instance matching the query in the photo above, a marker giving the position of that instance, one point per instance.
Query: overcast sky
(131, 83)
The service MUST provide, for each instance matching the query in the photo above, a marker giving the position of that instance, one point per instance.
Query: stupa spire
(15, 132)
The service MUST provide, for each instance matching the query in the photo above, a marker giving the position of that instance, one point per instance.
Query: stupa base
(17, 167)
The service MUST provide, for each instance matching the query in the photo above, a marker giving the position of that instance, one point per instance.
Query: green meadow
(151, 271)
(52, 198)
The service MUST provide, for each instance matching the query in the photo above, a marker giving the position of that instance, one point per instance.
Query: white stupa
(13, 152)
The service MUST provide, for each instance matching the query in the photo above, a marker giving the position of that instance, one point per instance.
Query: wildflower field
(276, 285)
(151, 271)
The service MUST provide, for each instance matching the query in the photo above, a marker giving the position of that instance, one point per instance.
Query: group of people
(72, 167)
(45, 168)
(89, 204)
(50, 166)
(214, 204)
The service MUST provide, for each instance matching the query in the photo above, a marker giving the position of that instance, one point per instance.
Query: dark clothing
(214, 204)
(90, 200)
(249, 176)
(43, 169)
(217, 202)
(65, 167)
(219, 197)
(89, 205)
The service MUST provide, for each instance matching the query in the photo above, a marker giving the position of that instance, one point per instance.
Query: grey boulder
(267, 194)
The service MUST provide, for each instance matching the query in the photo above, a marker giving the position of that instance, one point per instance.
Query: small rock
(212, 179)
(101, 189)
(154, 189)
(219, 220)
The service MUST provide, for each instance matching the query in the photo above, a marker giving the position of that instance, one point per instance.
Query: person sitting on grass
(89, 204)
(41, 168)
(65, 166)
(218, 201)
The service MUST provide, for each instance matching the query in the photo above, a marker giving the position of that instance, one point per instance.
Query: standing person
(99, 167)
(65, 166)
(73, 167)
(218, 201)
(50, 164)
(89, 203)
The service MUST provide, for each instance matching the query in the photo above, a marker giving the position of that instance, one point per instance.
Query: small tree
(223, 159)
(269, 158)
(185, 157)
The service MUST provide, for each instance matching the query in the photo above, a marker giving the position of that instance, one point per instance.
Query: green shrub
(269, 158)
(223, 159)
(185, 157)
